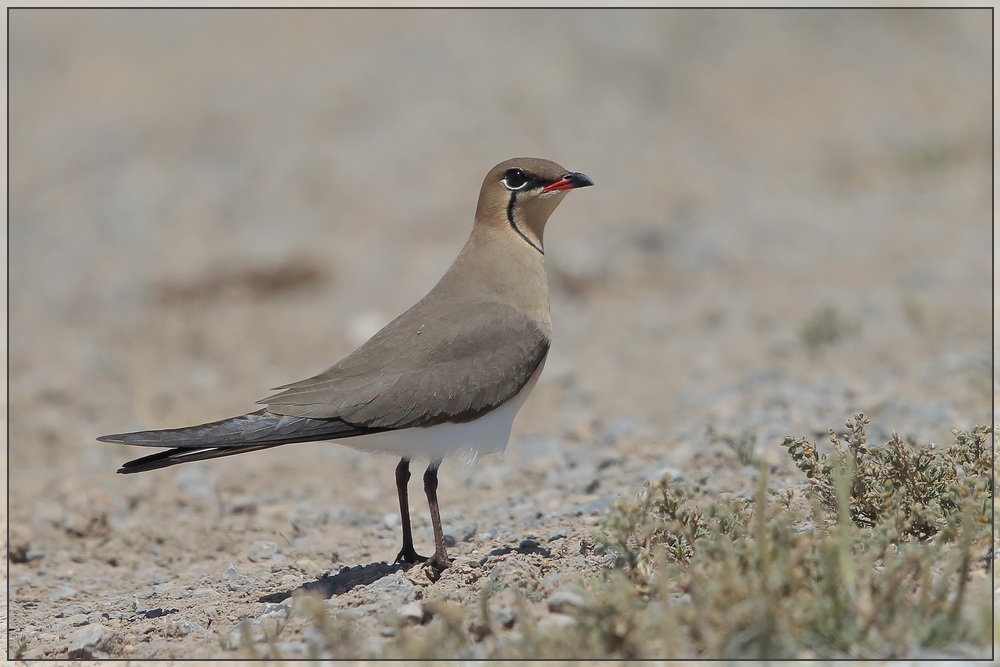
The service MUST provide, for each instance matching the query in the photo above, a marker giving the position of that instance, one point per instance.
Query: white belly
(470, 440)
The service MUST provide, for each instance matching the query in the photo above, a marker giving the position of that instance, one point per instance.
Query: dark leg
(407, 553)
(440, 558)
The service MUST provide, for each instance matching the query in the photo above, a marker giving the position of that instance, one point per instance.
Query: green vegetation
(874, 562)
(885, 552)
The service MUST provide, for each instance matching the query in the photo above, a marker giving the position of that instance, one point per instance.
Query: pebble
(463, 532)
(204, 593)
(275, 610)
(307, 518)
(557, 534)
(76, 620)
(394, 584)
(306, 566)
(505, 617)
(64, 593)
(491, 534)
(658, 472)
(597, 505)
(73, 609)
(562, 601)
(90, 638)
(413, 613)
(247, 627)
(231, 573)
(262, 550)
(180, 628)
(236, 580)
(171, 591)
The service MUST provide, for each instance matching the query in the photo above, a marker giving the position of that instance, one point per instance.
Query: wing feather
(477, 358)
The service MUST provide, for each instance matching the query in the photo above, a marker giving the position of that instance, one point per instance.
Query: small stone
(597, 505)
(413, 613)
(464, 561)
(90, 638)
(276, 610)
(152, 575)
(307, 518)
(491, 534)
(171, 591)
(72, 610)
(391, 521)
(557, 534)
(464, 532)
(506, 618)
(261, 550)
(204, 593)
(659, 471)
(395, 584)
(180, 628)
(243, 633)
(64, 593)
(236, 580)
(562, 601)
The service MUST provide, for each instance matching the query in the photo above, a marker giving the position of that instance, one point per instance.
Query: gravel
(177, 248)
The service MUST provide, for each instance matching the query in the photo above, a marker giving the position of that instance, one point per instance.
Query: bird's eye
(514, 179)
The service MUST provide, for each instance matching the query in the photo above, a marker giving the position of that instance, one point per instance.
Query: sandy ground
(204, 205)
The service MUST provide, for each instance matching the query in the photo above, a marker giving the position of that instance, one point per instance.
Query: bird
(445, 378)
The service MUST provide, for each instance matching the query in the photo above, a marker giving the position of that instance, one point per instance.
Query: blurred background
(792, 218)
(791, 223)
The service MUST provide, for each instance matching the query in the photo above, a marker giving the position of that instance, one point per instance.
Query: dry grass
(885, 555)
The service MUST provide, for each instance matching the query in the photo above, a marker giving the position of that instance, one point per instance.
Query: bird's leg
(440, 558)
(407, 553)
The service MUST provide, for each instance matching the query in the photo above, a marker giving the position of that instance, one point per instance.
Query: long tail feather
(226, 437)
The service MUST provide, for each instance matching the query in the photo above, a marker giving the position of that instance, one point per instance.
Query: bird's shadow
(362, 575)
(341, 582)
(526, 547)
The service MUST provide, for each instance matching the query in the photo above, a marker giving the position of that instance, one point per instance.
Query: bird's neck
(500, 266)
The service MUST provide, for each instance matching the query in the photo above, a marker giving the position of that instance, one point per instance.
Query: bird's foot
(408, 555)
(439, 561)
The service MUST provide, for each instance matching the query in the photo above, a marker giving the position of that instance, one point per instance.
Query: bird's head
(521, 193)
